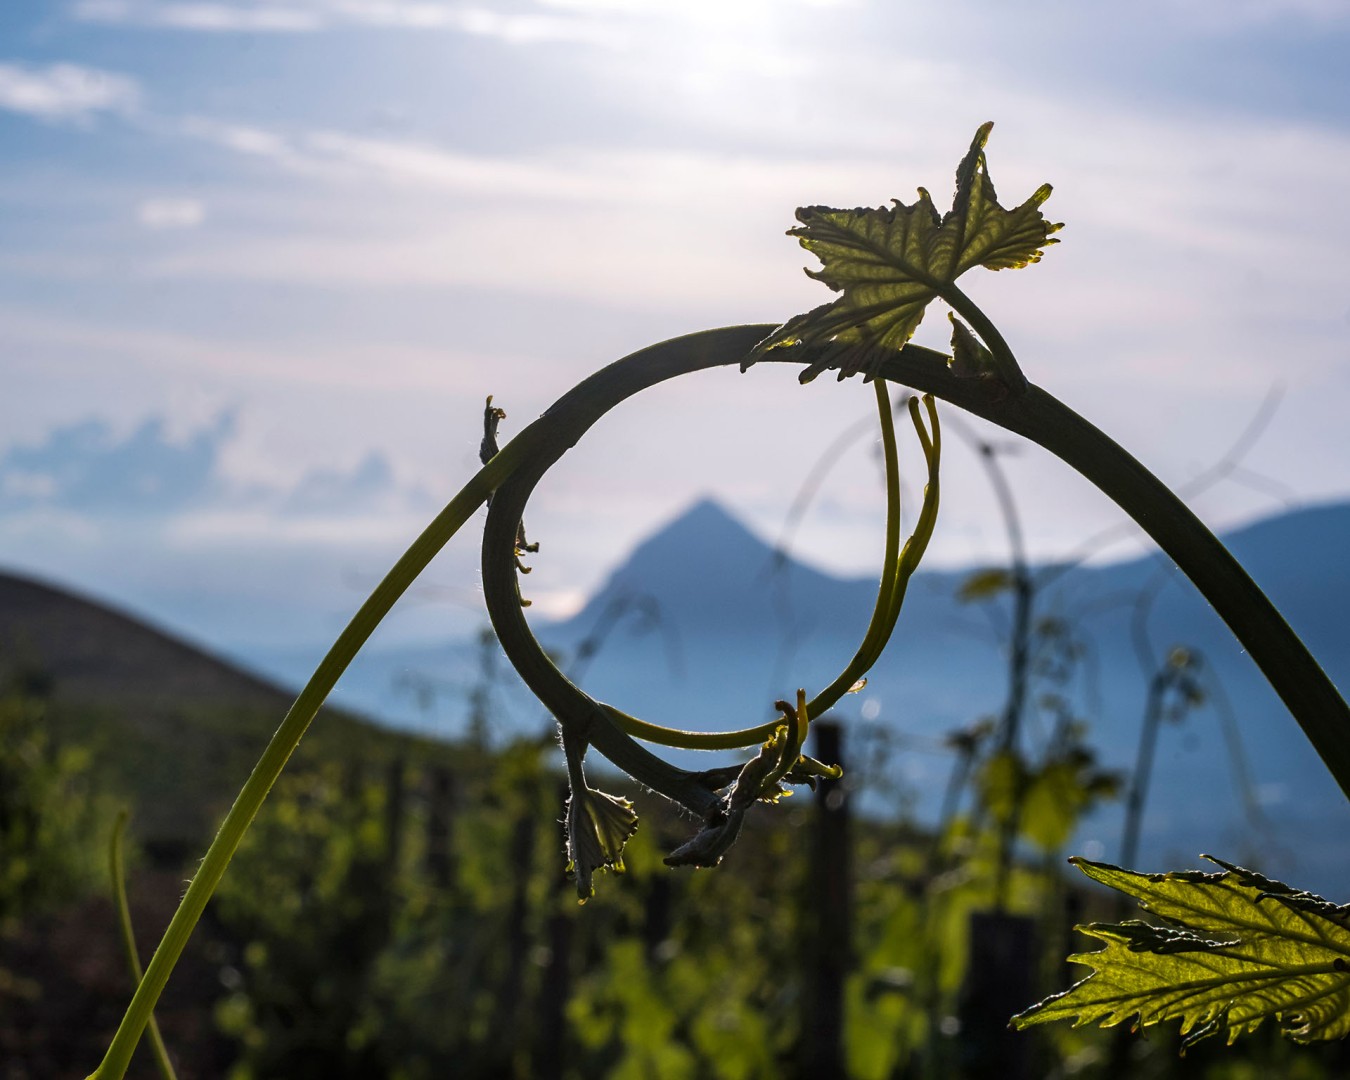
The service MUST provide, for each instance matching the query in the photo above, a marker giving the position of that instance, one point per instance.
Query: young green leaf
(889, 262)
(1244, 949)
(970, 359)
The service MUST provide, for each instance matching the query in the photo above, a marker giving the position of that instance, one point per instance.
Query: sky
(261, 262)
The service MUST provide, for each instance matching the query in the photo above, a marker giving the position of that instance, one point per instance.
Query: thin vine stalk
(283, 744)
(117, 872)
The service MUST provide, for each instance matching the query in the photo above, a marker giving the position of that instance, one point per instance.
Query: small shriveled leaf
(598, 827)
(889, 262)
(970, 359)
(722, 825)
(1243, 949)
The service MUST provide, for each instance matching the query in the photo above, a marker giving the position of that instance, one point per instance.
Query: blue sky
(261, 261)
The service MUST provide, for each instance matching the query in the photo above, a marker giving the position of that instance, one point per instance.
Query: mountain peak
(704, 559)
(706, 537)
(707, 520)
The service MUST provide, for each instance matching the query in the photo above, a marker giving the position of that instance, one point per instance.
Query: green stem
(689, 740)
(1284, 660)
(881, 623)
(287, 737)
(119, 888)
(917, 544)
(897, 566)
(905, 566)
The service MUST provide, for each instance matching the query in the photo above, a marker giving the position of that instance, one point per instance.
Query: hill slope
(173, 729)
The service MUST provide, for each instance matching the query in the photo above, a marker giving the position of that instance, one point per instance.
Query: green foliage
(48, 809)
(1238, 949)
(308, 905)
(890, 262)
(1060, 793)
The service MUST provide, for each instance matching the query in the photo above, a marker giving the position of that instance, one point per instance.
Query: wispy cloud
(204, 17)
(327, 490)
(600, 175)
(88, 469)
(65, 92)
(171, 213)
(216, 16)
(337, 155)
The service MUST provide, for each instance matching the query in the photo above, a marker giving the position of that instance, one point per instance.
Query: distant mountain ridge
(750, 633)
(706, 553)
(704, 626)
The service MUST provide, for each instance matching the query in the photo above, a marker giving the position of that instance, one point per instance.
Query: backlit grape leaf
(1240, 949)
(890, 261)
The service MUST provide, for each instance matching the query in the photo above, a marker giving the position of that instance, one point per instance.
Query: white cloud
(220, 16)
(90, 467)
(576, 221)
(208, 17)
(674, 179)
(171, 213)
(242, 139)
(721, 11)
(32, 345)
(65, 91)
(515, 28)
(427, 165)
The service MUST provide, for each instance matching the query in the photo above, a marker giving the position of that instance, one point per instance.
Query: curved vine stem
(1035, 414)
(287, 738)
(513, 472)
(689, 740)
(607, 728)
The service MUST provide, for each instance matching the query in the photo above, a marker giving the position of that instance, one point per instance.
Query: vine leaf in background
(888, 262)
(1239, 949)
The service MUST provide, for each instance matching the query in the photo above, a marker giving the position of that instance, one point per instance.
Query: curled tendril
(597, 824)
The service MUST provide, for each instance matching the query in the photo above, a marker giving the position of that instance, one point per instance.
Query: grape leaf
(1241, 948)
(889, 262)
